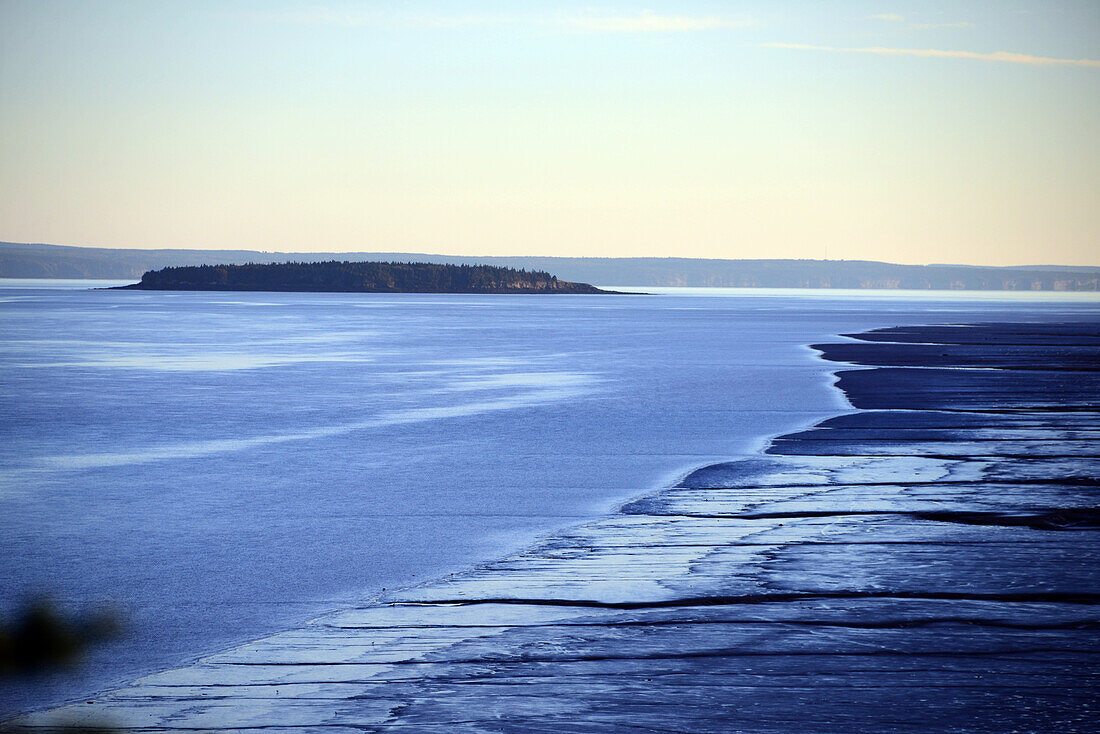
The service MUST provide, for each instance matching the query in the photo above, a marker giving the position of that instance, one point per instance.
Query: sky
(919, 132)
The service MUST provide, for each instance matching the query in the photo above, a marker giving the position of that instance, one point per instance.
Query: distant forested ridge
(58, 261)
(357, 277)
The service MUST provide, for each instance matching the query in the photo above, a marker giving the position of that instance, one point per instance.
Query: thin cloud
(322, 16)
(933, 26)
(896, 18)
(1002, 56)
(317, 16)
(643, 22)
(650, 22)
(453, 21)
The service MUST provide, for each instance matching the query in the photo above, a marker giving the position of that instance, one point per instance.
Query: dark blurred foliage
(62, 729)
(41, 638)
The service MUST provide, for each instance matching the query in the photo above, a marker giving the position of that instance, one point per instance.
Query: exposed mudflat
(928, 563)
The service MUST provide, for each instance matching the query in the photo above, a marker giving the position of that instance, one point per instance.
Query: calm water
(221, 466)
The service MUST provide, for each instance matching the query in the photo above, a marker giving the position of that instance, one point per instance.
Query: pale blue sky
(909, 132)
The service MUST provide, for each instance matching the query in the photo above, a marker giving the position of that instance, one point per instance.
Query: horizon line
(555, 257)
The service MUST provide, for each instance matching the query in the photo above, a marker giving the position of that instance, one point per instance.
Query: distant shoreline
(869, 294)
(62, 261)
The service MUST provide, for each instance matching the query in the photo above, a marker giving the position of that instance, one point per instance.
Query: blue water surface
(220, 466)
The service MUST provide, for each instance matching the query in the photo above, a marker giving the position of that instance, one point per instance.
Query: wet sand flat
(925, 563)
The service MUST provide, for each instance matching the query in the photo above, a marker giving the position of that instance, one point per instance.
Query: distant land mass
(357, 277)
(59, 261)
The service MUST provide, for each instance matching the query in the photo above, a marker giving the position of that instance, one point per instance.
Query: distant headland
(357, 277)
(60, 261)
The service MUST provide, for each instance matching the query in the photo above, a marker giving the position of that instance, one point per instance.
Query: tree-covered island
(358, 277)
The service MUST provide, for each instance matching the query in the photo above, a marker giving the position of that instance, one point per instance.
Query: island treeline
(60, 261)
(358, 277)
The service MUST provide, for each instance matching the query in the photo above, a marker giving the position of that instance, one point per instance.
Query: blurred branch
(40, 638)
